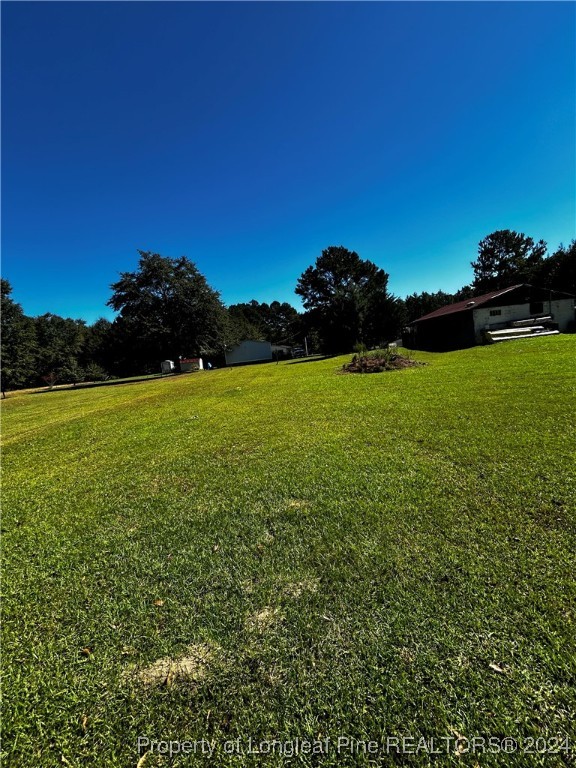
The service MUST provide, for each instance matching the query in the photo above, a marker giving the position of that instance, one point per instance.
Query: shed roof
(478, 301)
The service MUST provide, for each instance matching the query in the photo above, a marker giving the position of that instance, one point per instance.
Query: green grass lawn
(309, 554)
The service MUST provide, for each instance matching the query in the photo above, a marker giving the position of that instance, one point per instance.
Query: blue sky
(250, 136)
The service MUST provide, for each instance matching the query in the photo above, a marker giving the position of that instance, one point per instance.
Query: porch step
(507, 334)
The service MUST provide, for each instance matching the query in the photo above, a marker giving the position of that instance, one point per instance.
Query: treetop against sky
(251, 136)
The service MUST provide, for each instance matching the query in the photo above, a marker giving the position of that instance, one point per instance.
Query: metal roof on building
(467, 304)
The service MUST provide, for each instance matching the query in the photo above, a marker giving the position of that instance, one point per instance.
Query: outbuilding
(189, 364)
(281, 351)
(249, 351)
(516, 312)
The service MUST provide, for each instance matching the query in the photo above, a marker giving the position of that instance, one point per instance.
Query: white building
(249, 351)
(188, 364)
(519, 311)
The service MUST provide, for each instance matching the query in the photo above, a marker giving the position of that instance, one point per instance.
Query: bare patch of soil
(190, 668)
(263, 619)
(297, 588)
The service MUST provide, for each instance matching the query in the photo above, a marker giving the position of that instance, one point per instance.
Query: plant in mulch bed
(379, 360)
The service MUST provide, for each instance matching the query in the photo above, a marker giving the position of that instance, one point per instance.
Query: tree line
(166, 310)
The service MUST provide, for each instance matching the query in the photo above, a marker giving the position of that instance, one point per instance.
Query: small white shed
(188, 364)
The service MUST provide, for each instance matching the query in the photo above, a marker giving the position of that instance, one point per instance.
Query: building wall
(191, 364)
(249, 352)
(281, 352)
(561, 310)
(441, 334)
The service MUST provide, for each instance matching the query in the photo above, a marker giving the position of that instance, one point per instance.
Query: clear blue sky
(250, 136)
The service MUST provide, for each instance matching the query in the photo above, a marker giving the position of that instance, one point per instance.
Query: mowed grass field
(286, 552)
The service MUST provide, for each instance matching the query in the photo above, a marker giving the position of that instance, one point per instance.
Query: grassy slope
(402, 531)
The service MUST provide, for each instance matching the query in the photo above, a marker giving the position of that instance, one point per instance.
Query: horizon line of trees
(166, 310)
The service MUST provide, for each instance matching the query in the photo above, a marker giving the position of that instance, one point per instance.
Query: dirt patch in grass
(298, 503)
(263, 619)
(297, 588)
(190, 668)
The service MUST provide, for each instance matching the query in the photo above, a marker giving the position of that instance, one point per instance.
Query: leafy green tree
(558, 271)
(347, 300)
(249, 319)
(283, 323)
(71, 372)
(18, 342)
(94, 372)
(420, 304)
(98, 344)
(167, 310)
(466, 292)
(60, 342)
(275, 322)
(385, 319)
(506, 258)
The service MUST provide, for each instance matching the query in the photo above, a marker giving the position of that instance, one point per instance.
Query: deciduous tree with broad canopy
(347, 300)
(276, 322)
(60, 343)
(167, 310)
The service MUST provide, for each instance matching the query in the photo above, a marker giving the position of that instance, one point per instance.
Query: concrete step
(494, 336)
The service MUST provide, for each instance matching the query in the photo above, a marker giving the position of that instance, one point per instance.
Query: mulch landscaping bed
(375, 364)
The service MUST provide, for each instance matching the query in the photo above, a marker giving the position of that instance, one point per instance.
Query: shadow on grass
(312, 359)
(112, 383)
